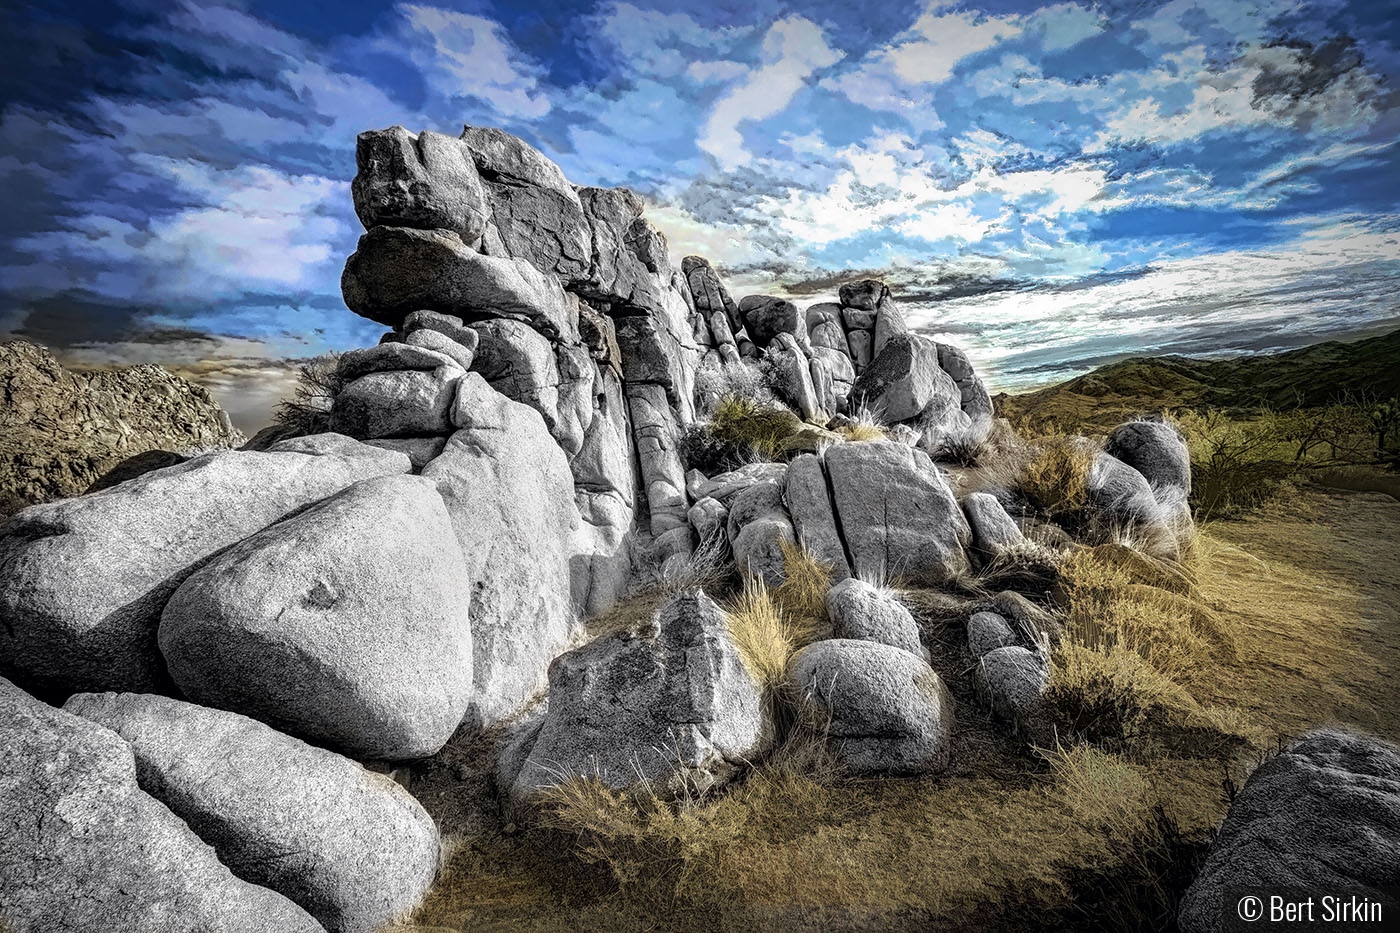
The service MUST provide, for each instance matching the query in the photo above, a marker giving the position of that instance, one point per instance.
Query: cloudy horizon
(1050, 185)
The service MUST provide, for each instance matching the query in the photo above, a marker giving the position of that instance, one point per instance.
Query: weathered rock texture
(83, 581)
(672, 703)
(349, 846)
(1324, 816)
(84, 850)
(346, 624)
(60, 430)
(884, 709)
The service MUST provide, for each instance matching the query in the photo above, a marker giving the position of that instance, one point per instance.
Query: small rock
(861, 611)
(987, 631)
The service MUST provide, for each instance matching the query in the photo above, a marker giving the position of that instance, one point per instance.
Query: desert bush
(860, 425)
(1055, 475)
(769, 625)
(1235, 465)
(308, 410)
(716, 380)
(739, 430)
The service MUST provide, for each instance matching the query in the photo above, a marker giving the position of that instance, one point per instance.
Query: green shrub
(739, 430)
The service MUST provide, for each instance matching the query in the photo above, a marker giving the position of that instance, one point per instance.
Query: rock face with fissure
(83, 849)
(349, 846)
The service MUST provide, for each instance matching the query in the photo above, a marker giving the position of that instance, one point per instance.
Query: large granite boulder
(904, 380)
(84, 850)
(510, 497)
(83, 581)
(401, 403)
(867, 613)
(1117, 489)
(994, 531)
(536, 215)
(346, 624)
(813, 519)
(1322, 817)
(709, 294)
(350, 846)
(396, 271)
(883, 709)
(897, 515)
(766, 317)
(425, 180)
(671, 703)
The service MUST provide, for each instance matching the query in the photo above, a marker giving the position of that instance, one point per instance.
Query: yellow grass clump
(770, 625)
(1056, 474)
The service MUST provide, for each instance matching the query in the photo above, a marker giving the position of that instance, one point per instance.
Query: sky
(1051, 185)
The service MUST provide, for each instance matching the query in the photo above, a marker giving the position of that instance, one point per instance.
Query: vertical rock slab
(809, 503)
(897, 515)
(510, 496)
(83, 581)
(349, 846)
(84, 850)
(346, 624)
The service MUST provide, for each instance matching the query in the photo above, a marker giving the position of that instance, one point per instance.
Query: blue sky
(1050, 184)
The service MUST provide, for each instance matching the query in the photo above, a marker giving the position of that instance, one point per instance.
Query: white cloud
(793, 50)
(462, 55)
(256, 228)
(1065, 25)
(933, 46)
(654, 43)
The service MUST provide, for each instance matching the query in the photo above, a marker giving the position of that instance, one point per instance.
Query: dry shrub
(1130, 650)
(765, 632)
(1055, 476)
(740, 430)
(806, 579)
(308, 410)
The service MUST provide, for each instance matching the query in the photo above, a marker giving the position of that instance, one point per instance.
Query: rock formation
(61, 430)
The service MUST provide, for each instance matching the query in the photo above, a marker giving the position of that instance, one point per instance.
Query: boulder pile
(235, 637)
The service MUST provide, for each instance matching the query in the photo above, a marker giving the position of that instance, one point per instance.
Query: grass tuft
(1055, 477)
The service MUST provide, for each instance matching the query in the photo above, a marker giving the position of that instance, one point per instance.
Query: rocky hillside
(1312, 376)
(62, 430)
(548, 517)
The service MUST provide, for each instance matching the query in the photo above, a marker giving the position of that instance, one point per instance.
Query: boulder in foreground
(84, 850)
(349, 846)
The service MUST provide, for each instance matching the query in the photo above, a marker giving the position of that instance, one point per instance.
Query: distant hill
(60, 431)
(1305, 378)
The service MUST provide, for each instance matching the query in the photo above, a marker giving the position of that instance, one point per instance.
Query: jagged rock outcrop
(83, 581)
(84, 850)
(672, 703)
(349, 846)
(928, 386)
(61, 430)
(346, 624)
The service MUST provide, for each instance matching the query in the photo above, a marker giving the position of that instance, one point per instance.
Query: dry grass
(770, 625)
(1055, 476)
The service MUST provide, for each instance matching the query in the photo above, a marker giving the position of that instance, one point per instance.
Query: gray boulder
(536, 214)
(1121, 491)
(426, 181)
(758, 548)
(709, 519)
(726, 486)
(419, 450)
(396, 271)
(404, 403)
(993, 530)
(813, 519)
(521, 365)
(883, 709)
(987, 631)
(1324, 816)
(1155, 449)
(671, 703)
(346, 625)
(889, 323)
(765, 318)
(861, 352)
(349, 846)
(429, 339)
(792, 377)
(444, 324)
(83, 581)
(630, 262)
(510, 497)
(388, 357)
(975, 402)
(860, 611)
(904, 380)
(761, 498)
(896, 512)
(84, 850)
(1012, 680)
(864, 295)
(709, 293)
